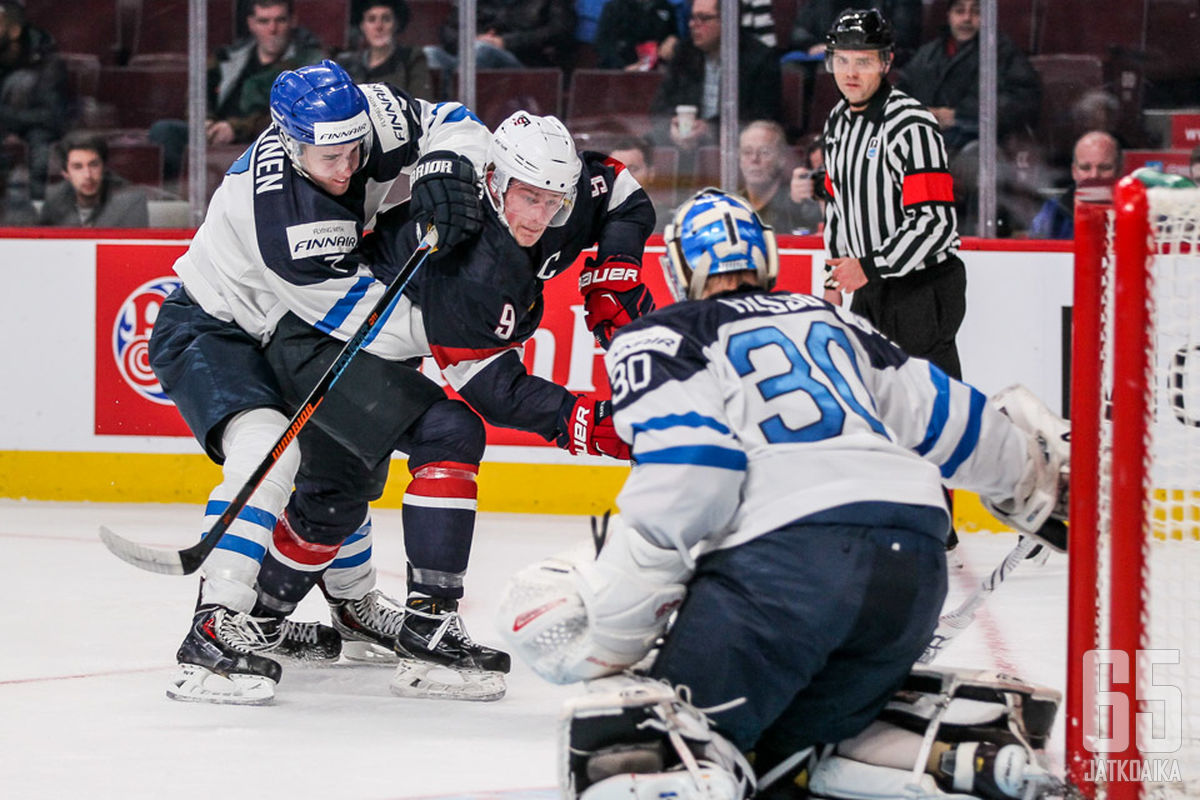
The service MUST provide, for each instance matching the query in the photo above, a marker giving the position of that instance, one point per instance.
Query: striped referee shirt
(893, 198)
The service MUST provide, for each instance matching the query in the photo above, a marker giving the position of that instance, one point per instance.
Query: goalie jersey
(272, 241)
(752, 410)
(478, 303)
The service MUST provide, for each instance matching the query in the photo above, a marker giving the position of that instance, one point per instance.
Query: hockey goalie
(752, 618)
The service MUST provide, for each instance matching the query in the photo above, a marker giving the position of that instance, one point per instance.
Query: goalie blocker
(948, 733)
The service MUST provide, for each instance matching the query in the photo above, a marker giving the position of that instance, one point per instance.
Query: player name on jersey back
(772, 303)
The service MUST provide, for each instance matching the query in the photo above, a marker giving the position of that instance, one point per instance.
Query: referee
(890, 226)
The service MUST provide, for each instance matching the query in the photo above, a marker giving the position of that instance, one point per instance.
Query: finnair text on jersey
(322, 238)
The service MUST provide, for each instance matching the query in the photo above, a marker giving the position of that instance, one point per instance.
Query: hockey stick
(189, 559)
(952, 624)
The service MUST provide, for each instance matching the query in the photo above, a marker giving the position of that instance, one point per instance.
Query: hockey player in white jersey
(472, 311)
(786, 502)
(291, 211)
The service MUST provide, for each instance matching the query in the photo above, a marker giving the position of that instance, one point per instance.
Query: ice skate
(368, 626)
(219, 661)
(439, 660)
(300, 642)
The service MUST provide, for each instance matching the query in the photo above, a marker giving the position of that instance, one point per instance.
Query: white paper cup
(686, 116)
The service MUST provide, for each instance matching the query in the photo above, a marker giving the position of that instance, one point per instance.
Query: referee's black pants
(921, 312)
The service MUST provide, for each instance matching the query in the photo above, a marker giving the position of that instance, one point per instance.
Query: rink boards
(83, 418)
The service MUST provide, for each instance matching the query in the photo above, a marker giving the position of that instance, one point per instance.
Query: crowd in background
(75, 154)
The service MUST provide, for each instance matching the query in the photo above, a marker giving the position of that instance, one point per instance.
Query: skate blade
(368, 653)
(422, 679)
(192, 683)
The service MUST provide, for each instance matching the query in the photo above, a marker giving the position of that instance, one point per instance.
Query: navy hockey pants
(815, 625)
(211, 369)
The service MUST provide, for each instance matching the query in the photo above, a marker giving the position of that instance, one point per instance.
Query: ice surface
(89, 642)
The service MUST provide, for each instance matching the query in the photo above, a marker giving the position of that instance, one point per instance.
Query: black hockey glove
(445, 191)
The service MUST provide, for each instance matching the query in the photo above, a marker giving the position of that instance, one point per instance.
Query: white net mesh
(1169, 736)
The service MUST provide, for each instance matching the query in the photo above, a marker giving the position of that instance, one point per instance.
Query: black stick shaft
(188, 560)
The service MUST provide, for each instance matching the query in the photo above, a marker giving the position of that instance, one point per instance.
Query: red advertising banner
(1172, 162)
(1185, 131)
(133, 279)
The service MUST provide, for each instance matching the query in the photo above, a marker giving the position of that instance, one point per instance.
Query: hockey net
(1133, 721)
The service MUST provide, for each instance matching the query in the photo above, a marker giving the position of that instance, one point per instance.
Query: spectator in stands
(758, 20)
(637, 154)
(766, 169)
(381, 57)
(90, 195)
(635, 34)
(511, 34)
(694, 79)
(815, 17)
(944, 75)
(808, 178)
(1097, 156)
(239, 81)
(34, 95)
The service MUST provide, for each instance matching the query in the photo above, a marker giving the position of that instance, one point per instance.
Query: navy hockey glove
(586, 426)
(445, 191)
(613, 296)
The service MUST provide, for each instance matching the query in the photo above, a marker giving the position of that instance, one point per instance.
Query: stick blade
(151, 559)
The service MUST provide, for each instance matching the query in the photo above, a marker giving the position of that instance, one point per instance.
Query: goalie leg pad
(947, 733)
(635, 737)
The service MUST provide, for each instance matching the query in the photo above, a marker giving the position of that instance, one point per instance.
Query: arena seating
(142, 95)
(600, 97)
(500, 92)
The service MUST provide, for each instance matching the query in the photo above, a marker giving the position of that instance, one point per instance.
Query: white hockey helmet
(534, 150)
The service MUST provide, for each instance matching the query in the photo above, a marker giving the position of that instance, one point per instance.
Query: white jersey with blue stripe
(272, 241)
(752, 410)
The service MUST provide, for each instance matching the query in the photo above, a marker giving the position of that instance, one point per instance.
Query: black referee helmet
(860, 29)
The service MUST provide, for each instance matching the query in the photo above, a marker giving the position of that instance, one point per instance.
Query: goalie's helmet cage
(319, 105)
(538, 151)
(715, 233)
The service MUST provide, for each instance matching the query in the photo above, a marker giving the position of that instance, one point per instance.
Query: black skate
(219, 661)
(301, 642)
(368, 626)
(438, 658)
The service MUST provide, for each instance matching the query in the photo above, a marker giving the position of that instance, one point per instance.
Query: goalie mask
(715, 233)
(320, 105)
(537, 151)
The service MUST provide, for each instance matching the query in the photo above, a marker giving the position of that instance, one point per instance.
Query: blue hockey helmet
(714, 233)
(319, 105)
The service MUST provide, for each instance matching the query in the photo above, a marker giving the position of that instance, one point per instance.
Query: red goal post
(1133, 674)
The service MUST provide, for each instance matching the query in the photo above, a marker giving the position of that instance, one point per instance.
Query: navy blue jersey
(481, 301)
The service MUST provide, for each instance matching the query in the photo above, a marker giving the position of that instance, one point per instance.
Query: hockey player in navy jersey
(471, 310)
(786, 501)
(282, 230)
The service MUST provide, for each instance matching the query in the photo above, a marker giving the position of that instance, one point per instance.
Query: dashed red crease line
(969, 581)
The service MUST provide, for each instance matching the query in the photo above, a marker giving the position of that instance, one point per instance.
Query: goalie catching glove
(445, 192)
(574, 618)
(613, 296)
(1042, 492)
(585, 426)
